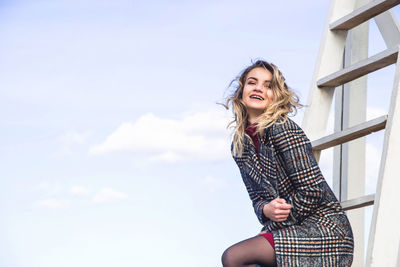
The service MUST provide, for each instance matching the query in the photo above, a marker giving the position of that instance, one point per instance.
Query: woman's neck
(252, 116)
(252, 121)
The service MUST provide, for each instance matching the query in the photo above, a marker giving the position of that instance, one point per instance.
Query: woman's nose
(258, 87)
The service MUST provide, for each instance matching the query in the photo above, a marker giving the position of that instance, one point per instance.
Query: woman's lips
(256, 97)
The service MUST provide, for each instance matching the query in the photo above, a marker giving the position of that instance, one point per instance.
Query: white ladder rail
(360, 202)
(350, 133)
(376, 62)
(363, 14)
(384, 238)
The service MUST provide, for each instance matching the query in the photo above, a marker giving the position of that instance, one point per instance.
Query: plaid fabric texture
(317, 231)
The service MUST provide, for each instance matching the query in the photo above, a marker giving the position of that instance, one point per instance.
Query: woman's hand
(277, 210)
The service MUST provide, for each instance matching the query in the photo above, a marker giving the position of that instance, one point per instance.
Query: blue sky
(113, 150)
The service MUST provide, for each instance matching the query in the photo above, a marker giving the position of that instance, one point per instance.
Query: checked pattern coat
(317, 231)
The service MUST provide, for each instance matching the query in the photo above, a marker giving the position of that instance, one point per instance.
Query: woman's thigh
(249, 252)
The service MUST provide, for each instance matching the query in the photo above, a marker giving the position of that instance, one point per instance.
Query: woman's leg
(249, 252)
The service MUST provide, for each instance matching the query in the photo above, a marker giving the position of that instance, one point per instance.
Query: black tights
(252, 252)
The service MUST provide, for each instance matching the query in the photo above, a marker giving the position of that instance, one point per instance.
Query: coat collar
(249, 148)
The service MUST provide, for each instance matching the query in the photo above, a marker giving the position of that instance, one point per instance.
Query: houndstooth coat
(317, 231)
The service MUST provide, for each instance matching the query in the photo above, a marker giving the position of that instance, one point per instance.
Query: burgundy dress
(251, 130)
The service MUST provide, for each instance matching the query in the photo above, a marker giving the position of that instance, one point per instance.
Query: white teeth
(256, 97)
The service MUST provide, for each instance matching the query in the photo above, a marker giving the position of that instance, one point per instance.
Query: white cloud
(213, 183)
(79, 190)
(168, 156)
(108, 195)
(71, 138)
(48, 189)
(52, 203)
(197, 136)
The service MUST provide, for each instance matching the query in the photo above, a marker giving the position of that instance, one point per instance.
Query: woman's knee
(250, 251)
(228, 258)
(225, 257)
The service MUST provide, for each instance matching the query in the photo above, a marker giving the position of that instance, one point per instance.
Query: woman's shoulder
(286, 134)
(285, 125)
(287, 129)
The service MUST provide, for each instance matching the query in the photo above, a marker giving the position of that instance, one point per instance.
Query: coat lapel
(261, 167)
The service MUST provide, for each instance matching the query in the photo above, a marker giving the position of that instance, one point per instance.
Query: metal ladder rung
(359, 202)
(350, 133)
(378, 61)
(363, 14)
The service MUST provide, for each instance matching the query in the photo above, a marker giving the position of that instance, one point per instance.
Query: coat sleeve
(295, 154)
(258, 205)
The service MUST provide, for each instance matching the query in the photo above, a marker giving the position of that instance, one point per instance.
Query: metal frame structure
(341, 69)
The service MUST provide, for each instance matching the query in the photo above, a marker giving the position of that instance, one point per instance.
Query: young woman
(303, 222)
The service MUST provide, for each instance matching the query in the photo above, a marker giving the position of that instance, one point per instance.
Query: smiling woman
(303, 222)
(264, 81)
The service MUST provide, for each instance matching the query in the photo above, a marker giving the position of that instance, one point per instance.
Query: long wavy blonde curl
(284, 102)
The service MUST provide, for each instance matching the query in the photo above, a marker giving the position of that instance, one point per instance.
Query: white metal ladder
(331, 72)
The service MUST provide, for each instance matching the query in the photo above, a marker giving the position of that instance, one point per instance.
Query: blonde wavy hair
(284, 101)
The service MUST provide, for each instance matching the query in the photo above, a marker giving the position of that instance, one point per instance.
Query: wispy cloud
(79, 190)
(213, 183)
(47, 188)
(52, 203)
(197, 136)
(71, 138)
(108, 195)
(57, 199)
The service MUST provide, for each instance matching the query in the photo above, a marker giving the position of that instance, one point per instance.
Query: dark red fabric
(251, 130)
(269, 237)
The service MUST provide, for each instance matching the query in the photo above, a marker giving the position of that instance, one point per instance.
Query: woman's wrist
(264, 210)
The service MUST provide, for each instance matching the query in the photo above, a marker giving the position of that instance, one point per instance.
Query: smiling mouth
(256, 97)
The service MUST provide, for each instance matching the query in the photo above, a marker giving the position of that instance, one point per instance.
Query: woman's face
(257, 94)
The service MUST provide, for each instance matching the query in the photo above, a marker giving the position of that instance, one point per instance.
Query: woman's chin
(257, 109)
